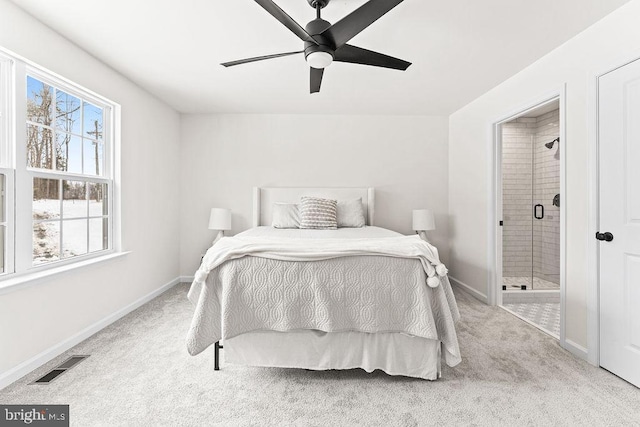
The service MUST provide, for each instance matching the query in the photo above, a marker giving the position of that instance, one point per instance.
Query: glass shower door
(531, 203)
(546, 199)
(517, 203)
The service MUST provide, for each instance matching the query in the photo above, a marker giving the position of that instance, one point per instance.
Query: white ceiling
(459, 48)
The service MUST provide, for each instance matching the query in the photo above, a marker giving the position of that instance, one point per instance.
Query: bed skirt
(394, 353)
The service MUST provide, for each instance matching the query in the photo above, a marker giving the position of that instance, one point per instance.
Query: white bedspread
(286, 249)
(367, 285)
(367, 232)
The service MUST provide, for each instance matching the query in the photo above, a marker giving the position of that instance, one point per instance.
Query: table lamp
(422, 222)
(219, 219)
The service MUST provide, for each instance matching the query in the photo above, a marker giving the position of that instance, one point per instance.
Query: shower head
(549, 145)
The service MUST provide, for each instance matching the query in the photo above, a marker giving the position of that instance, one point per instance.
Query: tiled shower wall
(546, 184)
(530, 175)
(517, 190)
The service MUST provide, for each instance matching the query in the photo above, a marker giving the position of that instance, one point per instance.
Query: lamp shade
(220, 219)
(423, 220)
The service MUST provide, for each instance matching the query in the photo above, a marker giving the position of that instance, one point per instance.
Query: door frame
(593, 249)
(495, 209)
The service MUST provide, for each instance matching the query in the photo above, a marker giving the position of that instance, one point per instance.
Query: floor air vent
(59, 370)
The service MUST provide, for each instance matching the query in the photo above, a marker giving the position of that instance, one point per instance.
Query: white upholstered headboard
(265, 197)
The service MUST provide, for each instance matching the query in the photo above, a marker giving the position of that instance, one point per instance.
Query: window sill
(25, 280)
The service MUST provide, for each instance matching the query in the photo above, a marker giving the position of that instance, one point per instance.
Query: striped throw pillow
(317, 213)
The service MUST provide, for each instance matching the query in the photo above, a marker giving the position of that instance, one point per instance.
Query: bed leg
(216, 362)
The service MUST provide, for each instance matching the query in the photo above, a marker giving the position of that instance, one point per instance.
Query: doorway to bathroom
(529, 209)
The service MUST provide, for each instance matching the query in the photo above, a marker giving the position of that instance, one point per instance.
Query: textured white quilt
(370, 285)
(286, 249)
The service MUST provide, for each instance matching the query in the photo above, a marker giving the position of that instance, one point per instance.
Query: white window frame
(13, 163)
(6, 161)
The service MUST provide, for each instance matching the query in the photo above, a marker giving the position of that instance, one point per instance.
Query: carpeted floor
(139, 373)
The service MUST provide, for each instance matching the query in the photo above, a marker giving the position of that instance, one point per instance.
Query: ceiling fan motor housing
(315, 28)
(316, 3)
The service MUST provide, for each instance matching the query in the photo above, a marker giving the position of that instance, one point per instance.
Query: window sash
(7, 221)
(84, 96)
(6, 107)
(64, 219)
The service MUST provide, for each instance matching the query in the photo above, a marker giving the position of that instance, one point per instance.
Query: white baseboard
(186, 279)
(38, 360)
(576, 349)
(468, 289)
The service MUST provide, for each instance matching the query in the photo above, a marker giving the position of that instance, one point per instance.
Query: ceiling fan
(325, 43)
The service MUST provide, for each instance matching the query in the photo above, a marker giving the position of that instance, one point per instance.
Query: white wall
(574, 63)
(224, 156)
(34, 319)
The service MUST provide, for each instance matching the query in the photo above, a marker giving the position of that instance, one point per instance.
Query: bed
(349, 298)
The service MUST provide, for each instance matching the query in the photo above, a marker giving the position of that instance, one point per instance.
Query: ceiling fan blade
(286, 20)
(316, 79)
(258, 58)
(358, 55)
(349, 26)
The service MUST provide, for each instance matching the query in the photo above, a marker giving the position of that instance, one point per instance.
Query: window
(6, 173)
(65, 146)
(3, 222)
(56, 173)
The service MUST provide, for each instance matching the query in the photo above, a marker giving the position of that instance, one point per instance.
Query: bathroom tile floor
(544, 315)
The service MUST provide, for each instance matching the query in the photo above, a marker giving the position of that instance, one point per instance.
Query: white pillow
(285, 215)
(317, 213)
(351, 214)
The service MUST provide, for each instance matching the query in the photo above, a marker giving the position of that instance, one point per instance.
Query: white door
(619, 161)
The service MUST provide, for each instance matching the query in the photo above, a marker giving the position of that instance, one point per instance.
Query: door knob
(604, 236)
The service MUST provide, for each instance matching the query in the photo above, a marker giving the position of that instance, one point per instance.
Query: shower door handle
(535, 212)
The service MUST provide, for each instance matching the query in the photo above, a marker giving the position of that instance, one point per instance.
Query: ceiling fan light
(319, 59)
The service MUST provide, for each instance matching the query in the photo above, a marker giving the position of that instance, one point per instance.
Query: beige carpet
(139, 373)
